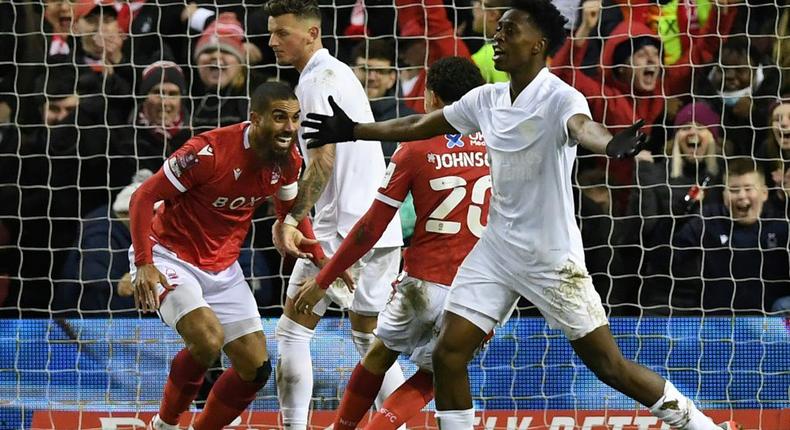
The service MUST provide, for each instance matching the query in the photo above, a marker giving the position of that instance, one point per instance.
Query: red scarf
(59, 45)
(162, 132)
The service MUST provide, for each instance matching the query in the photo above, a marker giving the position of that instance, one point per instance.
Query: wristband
(290, 220)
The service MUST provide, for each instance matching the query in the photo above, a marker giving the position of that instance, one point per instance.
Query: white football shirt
(531, 218)
(359, 166)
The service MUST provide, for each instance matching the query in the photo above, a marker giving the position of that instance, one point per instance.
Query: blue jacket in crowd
(742, 267)
(92, 271)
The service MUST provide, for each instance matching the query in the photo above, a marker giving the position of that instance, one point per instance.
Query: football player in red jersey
(449, 179)
(185, 256)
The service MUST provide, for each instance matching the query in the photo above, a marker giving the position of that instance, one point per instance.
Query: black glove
(627, 143)
(329, 129)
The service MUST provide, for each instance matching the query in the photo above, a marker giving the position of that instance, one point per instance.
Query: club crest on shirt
(180, 163)
(454, 141)
(171, 274)
(275, 175)
(207, 151)
(772, 242)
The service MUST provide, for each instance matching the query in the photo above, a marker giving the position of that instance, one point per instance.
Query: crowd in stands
(94, 95)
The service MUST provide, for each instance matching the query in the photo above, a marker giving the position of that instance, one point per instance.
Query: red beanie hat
(225, 34)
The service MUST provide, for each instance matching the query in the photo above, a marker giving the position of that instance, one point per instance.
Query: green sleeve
(407, 217)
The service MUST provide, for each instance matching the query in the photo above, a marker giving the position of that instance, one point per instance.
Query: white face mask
(730, 98)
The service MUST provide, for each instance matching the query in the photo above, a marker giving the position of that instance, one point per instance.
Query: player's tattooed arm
(314, 180)
(588, 133)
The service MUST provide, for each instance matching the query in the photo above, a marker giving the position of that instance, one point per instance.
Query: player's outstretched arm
(338, 127)
(595, 137)
(361, 239)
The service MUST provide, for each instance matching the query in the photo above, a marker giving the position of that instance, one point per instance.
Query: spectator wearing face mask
(735, 258)
(742, 86)
(631, 82)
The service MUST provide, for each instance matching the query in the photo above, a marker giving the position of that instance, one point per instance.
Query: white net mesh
(709, 77)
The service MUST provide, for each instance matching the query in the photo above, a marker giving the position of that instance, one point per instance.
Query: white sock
(294, 372)
(394, 376)
(679, 412)
(158, 424)
(456, 420)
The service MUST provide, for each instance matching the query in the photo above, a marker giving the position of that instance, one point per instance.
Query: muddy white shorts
(226, 293)
(411, 321)
(484, 292)
(373, 275)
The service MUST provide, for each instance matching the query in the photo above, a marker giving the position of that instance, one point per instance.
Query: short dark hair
(740, 45)
(300, 8)
(452, 77)
(547, 18)
(380, 49)
(268, 92)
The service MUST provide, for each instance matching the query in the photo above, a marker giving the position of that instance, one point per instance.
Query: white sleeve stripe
(388, 200)
(172, 178)
(288, 192)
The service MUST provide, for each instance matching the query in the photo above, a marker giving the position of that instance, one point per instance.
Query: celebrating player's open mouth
(498, 52)
(283, 141)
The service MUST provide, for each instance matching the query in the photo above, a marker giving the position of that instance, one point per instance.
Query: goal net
(687, 243)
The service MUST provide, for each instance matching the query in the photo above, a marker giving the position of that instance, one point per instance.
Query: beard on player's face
(276, 130)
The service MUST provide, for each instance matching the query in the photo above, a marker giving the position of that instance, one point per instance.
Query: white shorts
(484, 292)
(411, 321)
(226, 293)
(373, 275)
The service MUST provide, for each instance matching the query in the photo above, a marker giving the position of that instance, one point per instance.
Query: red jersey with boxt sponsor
(222, 182)
(449, 179)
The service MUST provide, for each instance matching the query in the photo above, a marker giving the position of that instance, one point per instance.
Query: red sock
(229, 397)
(404, 402)
(359, 396)
(183, 384)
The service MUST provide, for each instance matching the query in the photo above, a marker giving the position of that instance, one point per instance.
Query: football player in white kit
(342, 183)
(532, 246)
